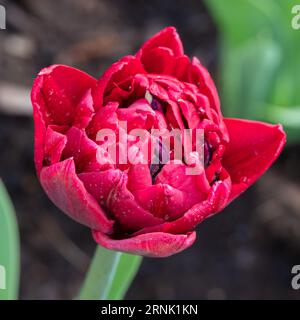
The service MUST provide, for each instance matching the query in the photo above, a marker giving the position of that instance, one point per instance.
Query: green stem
(109, 276)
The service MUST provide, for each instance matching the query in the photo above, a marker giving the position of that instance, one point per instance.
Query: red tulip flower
(145, 209)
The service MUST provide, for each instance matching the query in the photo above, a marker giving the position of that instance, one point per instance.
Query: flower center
(160, 157)
(207, 154)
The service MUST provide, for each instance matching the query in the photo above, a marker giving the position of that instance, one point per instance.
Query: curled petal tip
(155, 244)
(167, 38)
(253, 147)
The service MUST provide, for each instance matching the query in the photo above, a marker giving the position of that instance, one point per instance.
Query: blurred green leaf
(260, 65)
(9, 248)
(248, 72)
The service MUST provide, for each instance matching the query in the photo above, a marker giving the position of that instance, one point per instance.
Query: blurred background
(252, 51)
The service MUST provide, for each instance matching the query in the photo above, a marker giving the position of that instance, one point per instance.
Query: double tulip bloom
(141, 208)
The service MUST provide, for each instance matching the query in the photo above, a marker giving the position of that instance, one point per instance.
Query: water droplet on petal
(244, 179)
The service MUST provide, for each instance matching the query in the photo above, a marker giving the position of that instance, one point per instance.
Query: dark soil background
(246, 252)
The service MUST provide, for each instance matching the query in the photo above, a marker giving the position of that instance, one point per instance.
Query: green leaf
(9, 248)
(247, 74)
(109, 275)
(260, 65)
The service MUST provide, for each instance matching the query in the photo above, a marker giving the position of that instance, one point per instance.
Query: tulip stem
(109, 276)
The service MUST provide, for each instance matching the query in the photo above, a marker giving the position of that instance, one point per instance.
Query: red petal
(181, 66)
(137, 115)
(201, 77)
(60, 88)
(159, 60)
(190, 113)
(139, 177)
(215, 202)
(83, 150)
(54, 145)
(173, 115)
(68, 193)
(163, 201)
(167, 38)
(156, 244)
(105, 118)
(100, 184)
(252, 149)
(196, 186)
(123, 205)
(39, 131)
(119, 71)
(84, 111)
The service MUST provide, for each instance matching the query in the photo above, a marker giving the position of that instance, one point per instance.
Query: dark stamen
(207, 154)
(155, 105)
(160, 157)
